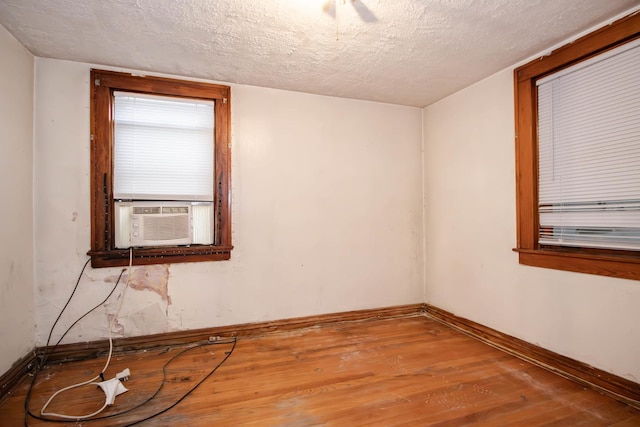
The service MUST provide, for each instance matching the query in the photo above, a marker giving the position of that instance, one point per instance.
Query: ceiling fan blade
(329, 7)
(363, 11)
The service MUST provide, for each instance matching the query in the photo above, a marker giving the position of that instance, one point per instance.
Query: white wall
(16, 201)
(470, 229)
(327, 214)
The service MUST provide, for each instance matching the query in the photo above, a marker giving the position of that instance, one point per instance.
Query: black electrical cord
(184, 396)
(67, 303)
(90, 311)
(164, 380)
(45, 355)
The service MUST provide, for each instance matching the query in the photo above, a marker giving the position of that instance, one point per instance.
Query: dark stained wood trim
(612, 385)
(78, 351)
(103, 253)
(100, 165)
(10, 379)
(222, 177)
(592, 44)
(168, 86)
(526, 166)
(75, 351)
(624, 268)
(404, 371)
(146, 256)
(605, 262)
(604, 382)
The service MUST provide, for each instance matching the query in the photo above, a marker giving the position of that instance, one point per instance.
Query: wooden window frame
(103, 252)
(622, 264)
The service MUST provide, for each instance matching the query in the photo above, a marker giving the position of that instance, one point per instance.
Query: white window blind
(589, 152)
(163, 148)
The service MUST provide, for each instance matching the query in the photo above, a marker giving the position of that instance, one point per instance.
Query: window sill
(168, 255)
(625, 267)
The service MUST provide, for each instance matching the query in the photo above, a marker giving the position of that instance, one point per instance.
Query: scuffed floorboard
(408, 371)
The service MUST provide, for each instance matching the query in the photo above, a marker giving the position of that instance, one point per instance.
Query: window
(578, 154)
(160, 170)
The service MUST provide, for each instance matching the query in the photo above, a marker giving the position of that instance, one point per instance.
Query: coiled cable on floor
(106, 365)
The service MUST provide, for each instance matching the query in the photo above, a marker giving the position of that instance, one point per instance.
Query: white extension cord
(112, 387)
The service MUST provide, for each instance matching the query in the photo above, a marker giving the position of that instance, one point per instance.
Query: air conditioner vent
(165, 227)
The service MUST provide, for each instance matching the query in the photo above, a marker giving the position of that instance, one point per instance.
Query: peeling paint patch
(118, 327)
(174, 319)
(154, 278)
(114, 278)
(150, 320)
(74, 216)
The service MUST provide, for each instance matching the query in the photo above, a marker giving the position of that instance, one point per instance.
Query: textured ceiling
(410, 52)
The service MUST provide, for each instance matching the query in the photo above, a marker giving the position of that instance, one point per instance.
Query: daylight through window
(160, 170)
(578, 154)
(589, 153)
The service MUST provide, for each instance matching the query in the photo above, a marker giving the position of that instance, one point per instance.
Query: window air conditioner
(163, 223)
(141, 224)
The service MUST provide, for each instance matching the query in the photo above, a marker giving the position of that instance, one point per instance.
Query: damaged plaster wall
(327, 215)
(16, 201)
(147, 301)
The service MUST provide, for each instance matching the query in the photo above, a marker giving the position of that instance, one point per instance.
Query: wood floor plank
(389, 372)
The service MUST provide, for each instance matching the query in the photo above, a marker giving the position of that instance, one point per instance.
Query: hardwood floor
(409, 371)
